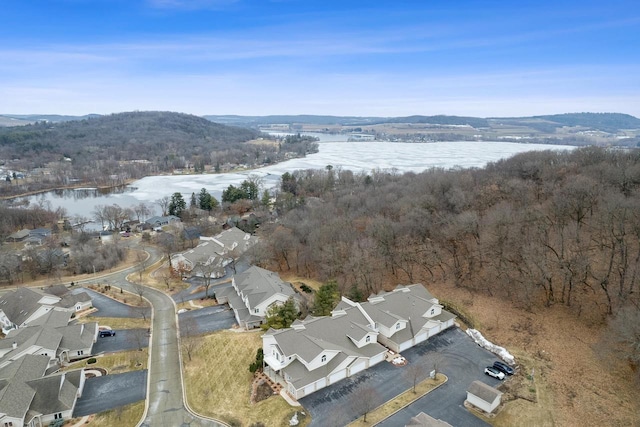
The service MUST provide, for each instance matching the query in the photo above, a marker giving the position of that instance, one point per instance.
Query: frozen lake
(356, 156)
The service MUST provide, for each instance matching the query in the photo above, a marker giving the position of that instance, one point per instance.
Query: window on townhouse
(80, 352)
(433, 310)
(256, 310)
(368, 339)
(58, 416)
(324, 358)
(397, 325)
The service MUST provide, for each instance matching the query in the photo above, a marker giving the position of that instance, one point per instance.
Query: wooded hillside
(539, 229)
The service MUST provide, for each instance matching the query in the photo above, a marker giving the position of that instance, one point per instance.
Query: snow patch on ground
(496, 349)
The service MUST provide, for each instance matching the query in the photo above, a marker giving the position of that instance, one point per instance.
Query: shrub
(306, 288)
(91, 361)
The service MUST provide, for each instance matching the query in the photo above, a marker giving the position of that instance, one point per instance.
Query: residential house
(29, 397)
(161, 221)
(19, 236)
(213, 253)
(51, 336)
(320, 351)
(24, 305)
(483, 396)
(252, 293)
(406, 316)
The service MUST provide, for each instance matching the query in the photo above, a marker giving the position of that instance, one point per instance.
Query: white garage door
(376, 359)
(422, 336)
(360, 366)
(309, 389)
(337, 376)
(405, 345)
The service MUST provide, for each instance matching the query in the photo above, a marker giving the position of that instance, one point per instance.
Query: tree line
(538, 229)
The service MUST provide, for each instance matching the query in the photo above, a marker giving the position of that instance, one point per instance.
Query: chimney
(15, 345)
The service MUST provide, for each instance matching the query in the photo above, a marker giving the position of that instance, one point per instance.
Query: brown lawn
(218, 381)
(571, 384)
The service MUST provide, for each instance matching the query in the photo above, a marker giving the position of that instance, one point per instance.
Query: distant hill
(151, 136)
(347, 120)
(55, 118)
(608, 122)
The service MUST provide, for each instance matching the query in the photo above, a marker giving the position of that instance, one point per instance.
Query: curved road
(165, 393)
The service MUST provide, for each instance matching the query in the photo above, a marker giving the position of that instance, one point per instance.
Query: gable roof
(258, 285)
(15, 394)
(20, 304)
(484, 391)
(19, 235)
(234, 238)
(424, 420)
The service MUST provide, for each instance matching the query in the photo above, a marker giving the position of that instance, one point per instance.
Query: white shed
(483, 396)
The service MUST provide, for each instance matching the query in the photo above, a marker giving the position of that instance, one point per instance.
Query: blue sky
(363, 58)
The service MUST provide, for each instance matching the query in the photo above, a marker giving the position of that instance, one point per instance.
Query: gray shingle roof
(53, 394)
(258, 285)
(16, 395)
(20, 304)
(484, 391)
(424, 420)
(78, 337)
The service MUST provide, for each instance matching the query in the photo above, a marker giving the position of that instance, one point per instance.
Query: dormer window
(398, 325)
(324, 358)
(368, 339)
(433, 311)
(256, 310)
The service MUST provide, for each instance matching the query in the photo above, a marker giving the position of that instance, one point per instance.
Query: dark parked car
(493, 372)
(108, 333)
(503, 367)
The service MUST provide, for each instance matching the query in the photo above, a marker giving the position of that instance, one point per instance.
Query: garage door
(335, 377)
(421, 337)
(309, 389)
(405, 345)
(376, 359)
(360, 366)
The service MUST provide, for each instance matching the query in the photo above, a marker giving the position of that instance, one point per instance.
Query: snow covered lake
(356, 156)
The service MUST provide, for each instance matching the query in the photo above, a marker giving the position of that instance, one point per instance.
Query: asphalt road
(207, 320)
(111, 391)
(457, 356)
(125, 339)
(165, 391)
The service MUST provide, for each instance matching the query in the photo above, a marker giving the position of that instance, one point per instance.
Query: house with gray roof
(21, 307)
(29, 397)
(252, 293)
(319, 351)
(406, 316)
(161, 221)
(19, 236)
(213, 253)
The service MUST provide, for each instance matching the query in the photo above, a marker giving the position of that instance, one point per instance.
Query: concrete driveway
(111, 308)
(207, 320)
(125, 339)
(111, 391)
(456, 355)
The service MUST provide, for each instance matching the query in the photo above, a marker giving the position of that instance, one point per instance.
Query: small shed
(483, 396)
(424, 420)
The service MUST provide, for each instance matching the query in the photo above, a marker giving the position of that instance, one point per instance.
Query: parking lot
(454, 353)
(125, 339)
(207, 320)
(111, 391)
(108, 307)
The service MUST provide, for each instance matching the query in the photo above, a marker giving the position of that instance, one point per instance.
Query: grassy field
(116, 363)
(218, 382)
(117, 322)
(399, 402)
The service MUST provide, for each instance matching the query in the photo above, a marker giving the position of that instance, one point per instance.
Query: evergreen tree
(281, 316)
(193, 203)
(326, 299)
(177, 204)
